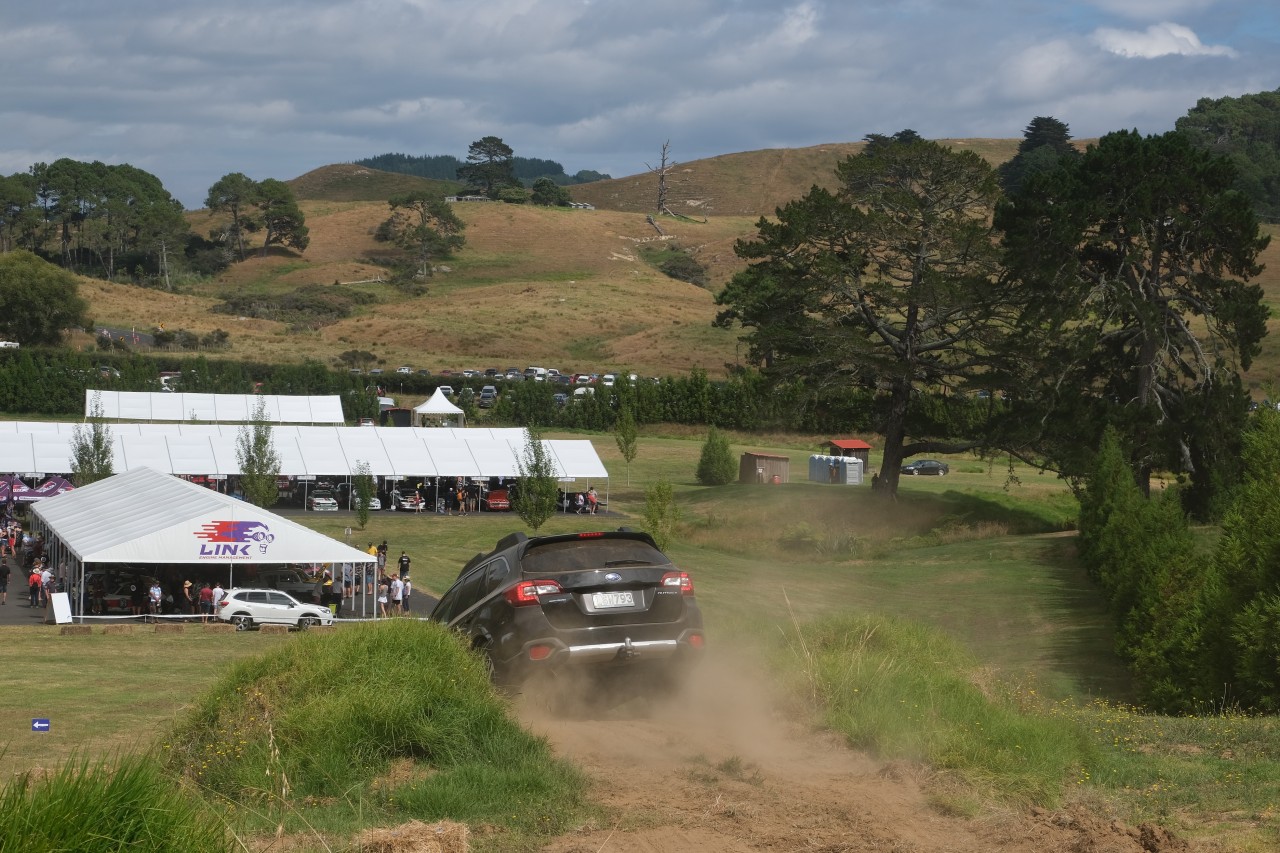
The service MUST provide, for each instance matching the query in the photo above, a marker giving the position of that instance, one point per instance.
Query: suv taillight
(527, 592)
(680, 579)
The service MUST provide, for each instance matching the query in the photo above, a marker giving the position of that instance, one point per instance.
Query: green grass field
(982, 564)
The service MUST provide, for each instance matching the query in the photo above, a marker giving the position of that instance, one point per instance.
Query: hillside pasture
(557, 287)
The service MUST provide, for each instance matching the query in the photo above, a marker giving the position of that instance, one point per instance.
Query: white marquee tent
(31, 448)
(438, 407)
(145, 516)
(213, 408)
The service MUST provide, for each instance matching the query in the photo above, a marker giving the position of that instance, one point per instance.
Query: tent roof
(215, 408)
(144, 516)
(322, 451)
(437, 404)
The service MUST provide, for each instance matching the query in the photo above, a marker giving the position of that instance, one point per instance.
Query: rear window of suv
(590, 554)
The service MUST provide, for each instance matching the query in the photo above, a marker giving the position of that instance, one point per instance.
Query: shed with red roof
(855, 447)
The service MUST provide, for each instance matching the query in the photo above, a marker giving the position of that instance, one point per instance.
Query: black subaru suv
(598, 601)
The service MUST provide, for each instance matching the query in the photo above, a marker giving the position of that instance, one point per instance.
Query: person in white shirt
(397, 595)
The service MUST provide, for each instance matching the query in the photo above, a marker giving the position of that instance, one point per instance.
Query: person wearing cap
(188, 599)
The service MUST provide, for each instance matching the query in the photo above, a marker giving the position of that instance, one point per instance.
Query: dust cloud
(725, 764)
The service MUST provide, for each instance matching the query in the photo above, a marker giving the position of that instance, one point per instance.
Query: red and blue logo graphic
(233, 538)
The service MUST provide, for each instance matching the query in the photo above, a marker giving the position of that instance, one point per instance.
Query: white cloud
(1163, 39)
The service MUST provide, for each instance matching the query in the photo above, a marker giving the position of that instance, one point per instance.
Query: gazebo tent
(438, 408)
(143, 516)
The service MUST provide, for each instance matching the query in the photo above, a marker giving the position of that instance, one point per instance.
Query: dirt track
(722, 770)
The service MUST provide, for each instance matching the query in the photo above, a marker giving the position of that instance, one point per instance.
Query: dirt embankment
(725, 770)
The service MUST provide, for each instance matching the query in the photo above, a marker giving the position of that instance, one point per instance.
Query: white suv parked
(246, 608)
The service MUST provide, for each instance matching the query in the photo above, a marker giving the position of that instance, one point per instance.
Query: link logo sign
(233, 539)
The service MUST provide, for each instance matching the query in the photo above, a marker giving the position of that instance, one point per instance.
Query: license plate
(604, 600)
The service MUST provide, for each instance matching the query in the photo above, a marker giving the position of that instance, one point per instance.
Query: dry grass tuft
(416, 837)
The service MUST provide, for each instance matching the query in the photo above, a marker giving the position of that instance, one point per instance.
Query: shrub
(716, 466)
(661, 515)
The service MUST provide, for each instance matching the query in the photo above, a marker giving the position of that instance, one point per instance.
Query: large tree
(888, 282)
(489, 166)
(1045, 141)
(1247, 130)
(38, 300)
(234, 194)
(1132, 262)
(283, 222)
(425, 224)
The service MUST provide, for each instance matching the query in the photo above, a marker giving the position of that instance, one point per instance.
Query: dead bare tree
(664, 168)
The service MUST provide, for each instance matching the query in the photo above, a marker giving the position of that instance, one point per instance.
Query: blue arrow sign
(39, 725)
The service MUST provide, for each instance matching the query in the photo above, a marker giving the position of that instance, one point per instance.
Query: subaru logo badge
(613, 577)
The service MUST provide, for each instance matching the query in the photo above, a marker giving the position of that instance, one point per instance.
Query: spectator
(384, 593)
(593, 502)
(397, 595)
(155, 599)
(206, 602)
(4, 580)
(349, 581)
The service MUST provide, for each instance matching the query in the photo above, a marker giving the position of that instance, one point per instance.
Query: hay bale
(415, 837)
(76, 630)
(274, 629)
(219, 627)
(117, 629)
(169, 628)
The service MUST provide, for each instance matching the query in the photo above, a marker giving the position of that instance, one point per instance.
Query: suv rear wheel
(242, 621)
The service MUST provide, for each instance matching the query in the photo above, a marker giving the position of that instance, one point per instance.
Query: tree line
(119, 222)
(51, 382)
(444, 167)
(1197, 620)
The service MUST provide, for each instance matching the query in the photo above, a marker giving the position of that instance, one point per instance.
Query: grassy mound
(91, 807)
(378, 723)
(903, 690)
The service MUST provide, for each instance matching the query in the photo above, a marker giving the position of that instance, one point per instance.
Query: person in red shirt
(206, 602)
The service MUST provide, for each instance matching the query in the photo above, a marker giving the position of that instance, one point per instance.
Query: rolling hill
(559, 287)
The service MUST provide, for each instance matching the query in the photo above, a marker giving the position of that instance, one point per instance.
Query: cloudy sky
(191, 91)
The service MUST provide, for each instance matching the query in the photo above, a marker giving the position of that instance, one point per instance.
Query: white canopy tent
(437, 408)
(214, 408)
(145, 517)
(38, 448)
